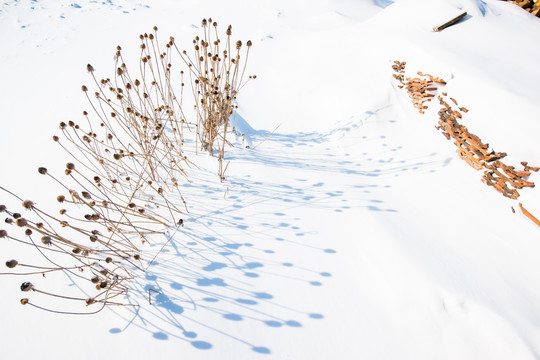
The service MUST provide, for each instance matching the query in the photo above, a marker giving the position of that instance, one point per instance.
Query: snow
(352, 231)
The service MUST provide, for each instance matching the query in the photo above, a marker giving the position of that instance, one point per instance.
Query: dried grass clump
(123, 183)
(217, 74)
(98, 259)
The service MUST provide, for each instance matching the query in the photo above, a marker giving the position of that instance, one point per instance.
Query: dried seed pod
(95, 279)
(28, 204)
(42, 170)
(76, 250)
(28, 232)
(12, 263)
(90, 301)
(21, 222)
(137, 257)
(84, 88)
(16, 215)
(103, 284)
(46, 240)
(27, 286)
(3, 208)
(70, 166)
(3, 233)
(89, 68)
(24, 301)
(108, 260)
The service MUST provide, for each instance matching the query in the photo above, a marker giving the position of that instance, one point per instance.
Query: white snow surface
(353, 231)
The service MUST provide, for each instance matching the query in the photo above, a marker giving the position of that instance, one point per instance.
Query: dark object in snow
(450, 23)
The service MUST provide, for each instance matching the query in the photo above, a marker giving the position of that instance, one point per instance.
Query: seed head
(60, 198)
(90, 301)
(249, 43)
(12, 263)
(24, 301)
(27, 286)
(84, 88)
(28, 204)
(89, 68)
(46, 240)
(3, 233)
(21, 222)
(70, 166)
(3, 208)
(42, 170)
(28, 232)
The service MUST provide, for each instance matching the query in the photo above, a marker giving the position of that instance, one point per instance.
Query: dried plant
(217, 73)
(123, 183)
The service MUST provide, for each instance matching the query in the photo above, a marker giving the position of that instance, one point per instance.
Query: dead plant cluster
(420, 89)
(128, 163)
(217, 72)
(503, 178)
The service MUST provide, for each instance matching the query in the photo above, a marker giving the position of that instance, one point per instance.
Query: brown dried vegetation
(123, 182)
(503, 178)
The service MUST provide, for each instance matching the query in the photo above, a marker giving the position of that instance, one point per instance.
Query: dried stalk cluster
(504, 178)
(98, 257)
(217, 73)
(130, 162)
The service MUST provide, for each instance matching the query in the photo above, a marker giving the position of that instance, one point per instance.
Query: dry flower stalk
(123, 183)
